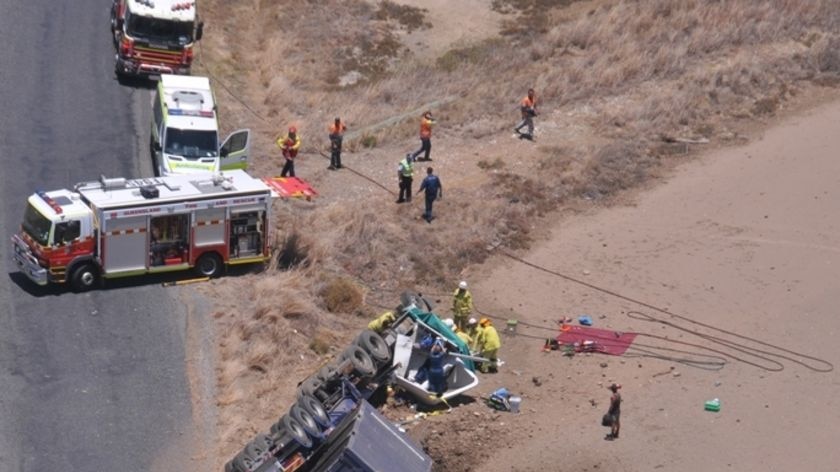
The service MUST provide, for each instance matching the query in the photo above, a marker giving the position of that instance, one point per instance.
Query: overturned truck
(334, 425)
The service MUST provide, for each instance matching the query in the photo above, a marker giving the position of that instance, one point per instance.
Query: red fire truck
(117, 228)
(154, 36)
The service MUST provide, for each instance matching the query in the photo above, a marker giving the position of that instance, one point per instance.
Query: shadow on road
(137, 82)
(19, 279)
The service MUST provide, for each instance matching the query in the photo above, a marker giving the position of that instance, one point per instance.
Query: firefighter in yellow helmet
(490, 346)
(463, 336)
(476, 334)
(462, 305)
(382, 322)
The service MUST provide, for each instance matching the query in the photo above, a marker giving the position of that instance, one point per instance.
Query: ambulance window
(67, 231)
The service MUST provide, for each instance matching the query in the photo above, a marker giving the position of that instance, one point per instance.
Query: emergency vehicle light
(182, 112)
(148, 3)
(49, 201)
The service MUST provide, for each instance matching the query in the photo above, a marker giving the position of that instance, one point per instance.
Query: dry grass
(618, 78)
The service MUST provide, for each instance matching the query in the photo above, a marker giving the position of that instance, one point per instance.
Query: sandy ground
(744, 239)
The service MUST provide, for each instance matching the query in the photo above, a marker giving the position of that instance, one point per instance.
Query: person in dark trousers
(404, 175)
(528, 109)
(426, 123)
(434, 190)
(289, 146)
(336, 131)
(614, 412)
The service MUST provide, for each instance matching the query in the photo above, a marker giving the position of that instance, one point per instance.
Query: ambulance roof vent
(112, 184)
(188, 100)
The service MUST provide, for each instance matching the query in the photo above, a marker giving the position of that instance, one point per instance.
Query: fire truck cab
(154, 36)
(117, 227)
(185, 130)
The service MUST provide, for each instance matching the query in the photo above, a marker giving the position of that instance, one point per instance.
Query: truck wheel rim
(87, 278)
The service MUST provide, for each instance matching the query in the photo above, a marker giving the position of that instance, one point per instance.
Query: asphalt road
(90, 382)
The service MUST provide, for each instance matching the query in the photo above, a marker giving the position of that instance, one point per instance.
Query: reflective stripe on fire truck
(126, 231)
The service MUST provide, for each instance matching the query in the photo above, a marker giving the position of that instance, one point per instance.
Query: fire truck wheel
(84, 277)
(209, 265)
(362, 363)
(288, 426)
(306, 421)
(315, 408)
(375, 346)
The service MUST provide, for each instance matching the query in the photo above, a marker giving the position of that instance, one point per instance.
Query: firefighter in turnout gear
(289, 146)
(462, 305)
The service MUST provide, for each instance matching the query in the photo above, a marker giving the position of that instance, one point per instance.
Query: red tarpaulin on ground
(603, 340)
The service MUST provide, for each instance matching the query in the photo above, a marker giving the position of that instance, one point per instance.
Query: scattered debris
(536, 381)
(712, 405)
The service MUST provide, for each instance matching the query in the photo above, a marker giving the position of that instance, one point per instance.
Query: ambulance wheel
(315, 408)
(84, 277)
(306, 420)
(375, 346)
(362, 363)
(209, 265)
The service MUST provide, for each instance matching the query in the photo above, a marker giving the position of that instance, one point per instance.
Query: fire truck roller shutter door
(209, 227)
(126, 244)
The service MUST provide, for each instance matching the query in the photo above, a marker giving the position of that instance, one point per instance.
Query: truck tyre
(209, 265)
(242, 463)
(306, 421)
(375, 346)
(326, 373)
(314, 388)
(258, 447)
(409, 298)
(84, 277)
(315, 408)
(288, 426)
(362, 363)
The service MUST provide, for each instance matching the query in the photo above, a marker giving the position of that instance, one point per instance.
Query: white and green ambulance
(185, 130)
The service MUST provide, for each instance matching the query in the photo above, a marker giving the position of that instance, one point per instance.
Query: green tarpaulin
(436, 324)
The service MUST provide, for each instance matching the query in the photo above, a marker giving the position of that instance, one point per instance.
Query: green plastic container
(712, 405)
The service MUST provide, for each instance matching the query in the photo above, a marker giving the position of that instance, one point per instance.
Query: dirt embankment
(624, 88)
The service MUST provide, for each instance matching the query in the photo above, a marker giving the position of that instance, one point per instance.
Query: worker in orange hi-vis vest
(289, 146)
(528, 108)
(426, 123)
(336, 131)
